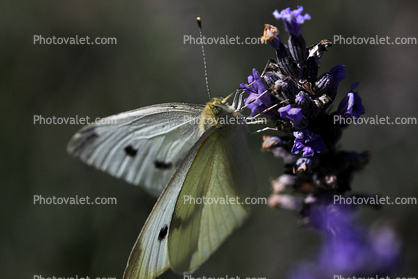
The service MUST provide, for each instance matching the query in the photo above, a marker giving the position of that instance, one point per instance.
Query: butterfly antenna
(199, 24)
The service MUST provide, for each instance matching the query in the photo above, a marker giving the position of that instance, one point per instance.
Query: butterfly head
(216, 114)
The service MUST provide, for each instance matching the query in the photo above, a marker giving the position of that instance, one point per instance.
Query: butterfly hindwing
(222, 176)
(149, 256)
(142, 146)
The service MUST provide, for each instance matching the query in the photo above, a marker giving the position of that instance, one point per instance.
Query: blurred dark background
(149, 65)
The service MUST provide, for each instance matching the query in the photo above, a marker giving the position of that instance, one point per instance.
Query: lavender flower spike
(338, 73)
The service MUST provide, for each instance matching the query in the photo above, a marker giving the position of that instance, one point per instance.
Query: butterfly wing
(142, 146)
(183, 235)
(149, 256)
(219, 180)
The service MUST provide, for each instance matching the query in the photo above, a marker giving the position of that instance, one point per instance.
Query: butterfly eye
(216, 110)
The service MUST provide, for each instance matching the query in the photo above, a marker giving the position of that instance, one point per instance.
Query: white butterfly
(145, 146)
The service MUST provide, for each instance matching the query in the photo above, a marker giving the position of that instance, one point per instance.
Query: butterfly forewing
(144, 146)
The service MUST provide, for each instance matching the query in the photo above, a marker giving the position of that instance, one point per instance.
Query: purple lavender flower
(338, 74)
(254, 91)
(293, 114)
(328, 217)
(351, 105)
(308, 143)
(348, 250)
(292, 19)
(302, 99)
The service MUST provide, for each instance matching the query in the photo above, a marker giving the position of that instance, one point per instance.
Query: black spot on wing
(130, 151)
(163, 233)
(162, 165)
